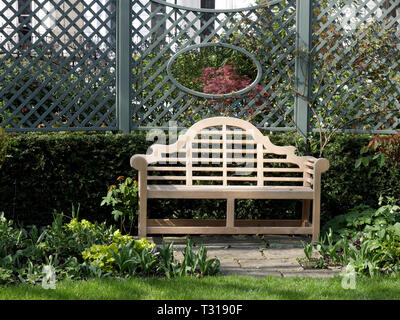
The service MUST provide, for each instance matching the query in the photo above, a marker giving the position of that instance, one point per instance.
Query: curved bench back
(227, 151)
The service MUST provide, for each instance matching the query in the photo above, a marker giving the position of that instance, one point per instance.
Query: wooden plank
(166, 169)
(209, 169)
(309, 164)
(310, 181)
(310, 171)
(224, 178)
(221, 192)
(230, 212)
(222, 222)
(284, 179)
(189, 180)
(305, 212)
(229, 230)
(219, 141)
(172, 169)
(208, 160)
(165, 178)
(224, 158)
(279, 161)
(231, 132)
(207, 150)
(142, 219)
(295, 170)
(260, 165)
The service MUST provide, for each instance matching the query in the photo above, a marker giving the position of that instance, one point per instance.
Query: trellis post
(123, 65)
(303, 66)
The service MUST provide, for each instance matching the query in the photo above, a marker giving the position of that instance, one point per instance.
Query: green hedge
(48, 172)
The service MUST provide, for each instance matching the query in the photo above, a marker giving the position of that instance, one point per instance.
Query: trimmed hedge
(48, 172)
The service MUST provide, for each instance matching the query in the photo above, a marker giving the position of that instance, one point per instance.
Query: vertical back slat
(224, 156)
(260, 164)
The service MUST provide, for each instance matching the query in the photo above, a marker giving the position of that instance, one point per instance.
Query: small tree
(226, 80)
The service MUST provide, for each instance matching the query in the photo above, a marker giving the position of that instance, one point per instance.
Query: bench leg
(316, 219)
(142, 221)
(305, 215)
(230, 213)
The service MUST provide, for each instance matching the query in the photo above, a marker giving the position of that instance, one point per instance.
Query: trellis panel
(57, 65)
(160, 30)
(356, 82)
(59, 71)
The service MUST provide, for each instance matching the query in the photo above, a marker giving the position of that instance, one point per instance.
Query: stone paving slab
(257, 256)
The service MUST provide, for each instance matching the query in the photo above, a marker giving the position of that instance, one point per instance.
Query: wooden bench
(228, 158)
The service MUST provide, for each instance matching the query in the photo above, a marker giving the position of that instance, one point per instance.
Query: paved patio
(257, 256)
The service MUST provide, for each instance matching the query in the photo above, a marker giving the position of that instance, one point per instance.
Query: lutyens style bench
(228, 158)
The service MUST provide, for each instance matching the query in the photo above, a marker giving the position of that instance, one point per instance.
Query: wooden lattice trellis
(106, 64)
(57, 65)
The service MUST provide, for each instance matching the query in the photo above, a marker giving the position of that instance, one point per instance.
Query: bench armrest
(321, 165)
(139, 162)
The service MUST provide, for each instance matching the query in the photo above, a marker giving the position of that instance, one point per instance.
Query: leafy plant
(80, 249)
(197, 262)
(308, 249)
(101, 256)
(123, 200)
(380, 149)
(147, 261)
(6, 276)
(226, 80)
(168, 265)
(126, 258)
(366, 239)
(123, 254)
(207, 266)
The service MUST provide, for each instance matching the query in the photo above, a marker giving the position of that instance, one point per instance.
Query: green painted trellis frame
(111, 94)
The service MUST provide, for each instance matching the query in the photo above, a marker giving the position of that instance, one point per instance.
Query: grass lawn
(210, 288)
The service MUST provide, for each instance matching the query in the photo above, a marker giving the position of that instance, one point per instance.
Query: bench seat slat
(219, 178)
(224, 192)
(216, 169)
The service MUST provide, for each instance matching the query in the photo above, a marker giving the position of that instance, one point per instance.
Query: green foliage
(48, 172)
(380, 149)
(81, 249)
(365, 238)
(101, 256)
(5, 144)
(123, 199)
(193, 263)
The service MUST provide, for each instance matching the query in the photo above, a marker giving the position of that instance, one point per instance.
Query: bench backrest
(227, 151)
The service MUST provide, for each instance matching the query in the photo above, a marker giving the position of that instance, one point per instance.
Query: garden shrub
(366, 239)
(81, 249)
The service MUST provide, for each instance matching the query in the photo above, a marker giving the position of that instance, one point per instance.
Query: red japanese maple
(226, 80)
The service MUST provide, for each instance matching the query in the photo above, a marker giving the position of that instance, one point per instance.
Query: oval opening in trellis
(214, 70)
